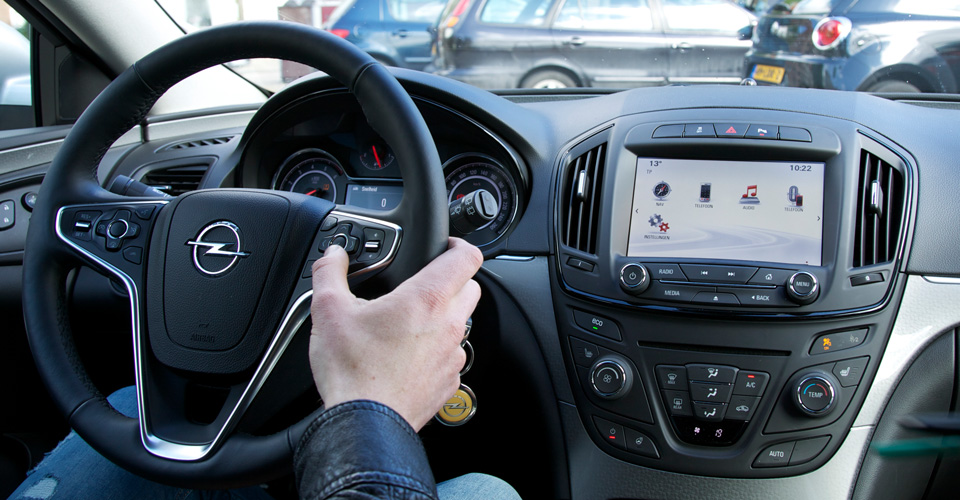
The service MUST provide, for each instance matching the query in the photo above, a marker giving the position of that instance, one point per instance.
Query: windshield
(862, 45)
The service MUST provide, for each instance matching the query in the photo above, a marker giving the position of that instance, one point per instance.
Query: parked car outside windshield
(868, 45)
(591, 43)
(394, 32)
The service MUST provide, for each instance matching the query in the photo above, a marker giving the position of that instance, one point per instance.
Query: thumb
(330, 274)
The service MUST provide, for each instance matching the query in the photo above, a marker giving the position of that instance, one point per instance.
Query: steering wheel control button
(769, 276)
(803, 288)
(118, 228)
(711, 373)
(777, 455)
(742, 407)
(718, 274)
(678, 403)
(760, 131)
(611, 432)
(329, 223)
(584, 353)
(750, 383)
(704, 130)
(795, 134)
(598, 325)
(634, 279)
(29, 200)
(8, 213)
(666, 272)
(668, 132)
(808, 449)
(459, 409)
(611, 377)
(716, 298)
(709, 412)
(640, 443)
(133, 255)
(831, 342)
(850, 371)
(712, 393)
(672, 377)
(815, 394)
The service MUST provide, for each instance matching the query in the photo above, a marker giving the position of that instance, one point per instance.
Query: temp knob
(803, 288)
(611, 377)
(634, 279)
(816, 393)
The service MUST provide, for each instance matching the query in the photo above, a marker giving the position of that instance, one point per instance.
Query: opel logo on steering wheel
(217, 248)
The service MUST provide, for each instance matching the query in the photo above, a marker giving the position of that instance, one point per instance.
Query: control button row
(732, 131)
(8, 214)
(704, 273)
(626, 438)
(708, 295)
(711, 392)
(839, 341)
(791, 452)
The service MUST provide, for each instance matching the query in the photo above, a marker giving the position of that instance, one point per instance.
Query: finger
(330, 274)
(464, 302)
(448, 273)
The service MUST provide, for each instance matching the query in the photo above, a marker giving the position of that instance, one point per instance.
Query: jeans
(74, 470)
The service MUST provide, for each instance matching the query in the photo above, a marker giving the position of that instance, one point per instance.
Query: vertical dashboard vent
(580, 202)
(879, 211)
(176, 180)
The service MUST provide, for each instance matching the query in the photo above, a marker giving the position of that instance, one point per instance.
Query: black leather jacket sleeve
(361, 450)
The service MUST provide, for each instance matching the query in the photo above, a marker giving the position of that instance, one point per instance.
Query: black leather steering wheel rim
(72, 179)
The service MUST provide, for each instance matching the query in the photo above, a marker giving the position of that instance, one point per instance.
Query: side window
(516, 12)
(711, 16)
(415, 11)
(16, 91)
(606, 15)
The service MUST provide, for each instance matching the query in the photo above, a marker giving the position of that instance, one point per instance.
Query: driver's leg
(476, 487)
(74, 470)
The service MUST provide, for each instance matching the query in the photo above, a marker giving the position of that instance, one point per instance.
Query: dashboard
(685, 287)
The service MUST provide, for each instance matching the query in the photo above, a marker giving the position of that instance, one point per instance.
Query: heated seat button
(777, 455)
(640, 443)
(849, 371)
(584, 353)
(750, 383)
(742, 407)
(678, 403)
(672, 377)
(598, 325)
(611, 432)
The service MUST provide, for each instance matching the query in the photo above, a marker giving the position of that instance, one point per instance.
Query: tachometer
(467, 173)
(312, 172)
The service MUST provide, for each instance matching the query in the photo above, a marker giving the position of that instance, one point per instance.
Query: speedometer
(467, 173)
(312, 172)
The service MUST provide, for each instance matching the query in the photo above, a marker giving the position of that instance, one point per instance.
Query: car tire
(548, 79)
(894, 86)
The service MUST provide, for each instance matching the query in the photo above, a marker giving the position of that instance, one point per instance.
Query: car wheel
(893, 86)
(548, 79)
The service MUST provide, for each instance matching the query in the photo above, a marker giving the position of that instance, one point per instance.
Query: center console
(725, 282)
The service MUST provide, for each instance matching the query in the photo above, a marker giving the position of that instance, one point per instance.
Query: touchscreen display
(735, 210)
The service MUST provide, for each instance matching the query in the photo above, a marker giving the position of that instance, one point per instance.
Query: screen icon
(705, 192)
(796, 199)
(750, 197)
(661, 190)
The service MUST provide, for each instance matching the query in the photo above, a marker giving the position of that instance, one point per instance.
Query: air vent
(879, 211)
(580, 208)
(176, 180)
(215, 141)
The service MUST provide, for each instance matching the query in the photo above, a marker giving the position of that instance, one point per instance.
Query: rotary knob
(815, 393)
(803, 288)
(611, 377)
(634, 279)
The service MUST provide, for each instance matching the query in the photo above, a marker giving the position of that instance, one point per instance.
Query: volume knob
(634, 279)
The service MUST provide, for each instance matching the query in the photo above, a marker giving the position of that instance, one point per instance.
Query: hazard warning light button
(735, 130)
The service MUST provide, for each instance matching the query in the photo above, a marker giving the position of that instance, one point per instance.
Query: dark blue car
(395, 32)
(869, 45)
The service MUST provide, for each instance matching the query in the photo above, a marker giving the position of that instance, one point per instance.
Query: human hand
(402, 349)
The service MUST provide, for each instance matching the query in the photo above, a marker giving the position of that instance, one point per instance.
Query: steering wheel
(218, 280)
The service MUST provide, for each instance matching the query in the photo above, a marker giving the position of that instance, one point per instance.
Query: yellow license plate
(771, 74)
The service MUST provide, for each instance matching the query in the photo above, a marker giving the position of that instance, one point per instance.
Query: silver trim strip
(943, 280)
(515, 258)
